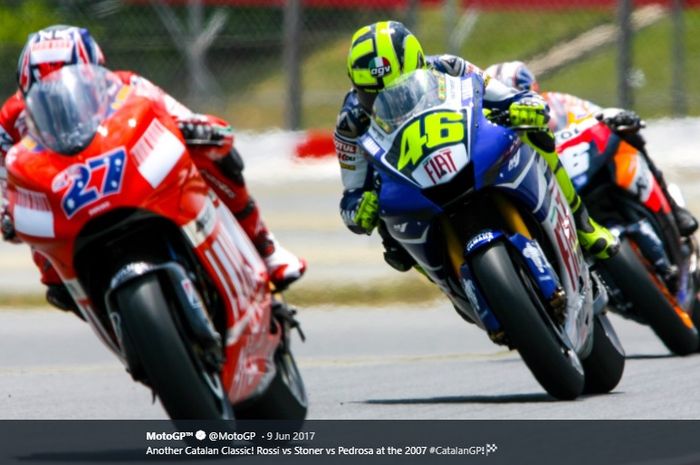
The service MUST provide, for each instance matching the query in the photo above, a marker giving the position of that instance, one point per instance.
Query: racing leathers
(210, 143)
(358, 205)
(630, 169)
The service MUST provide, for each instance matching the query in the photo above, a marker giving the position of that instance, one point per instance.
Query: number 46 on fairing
(429, 132)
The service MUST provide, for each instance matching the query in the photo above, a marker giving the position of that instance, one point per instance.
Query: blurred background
(280, 65)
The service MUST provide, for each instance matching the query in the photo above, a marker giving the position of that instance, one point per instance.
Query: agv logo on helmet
(379, 66)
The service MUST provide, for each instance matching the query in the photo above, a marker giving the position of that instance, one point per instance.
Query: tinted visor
(406, 97)
(65, 108)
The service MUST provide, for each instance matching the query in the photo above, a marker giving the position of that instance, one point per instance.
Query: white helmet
(514, 74)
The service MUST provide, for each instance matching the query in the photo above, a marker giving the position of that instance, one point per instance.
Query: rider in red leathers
(209, 140)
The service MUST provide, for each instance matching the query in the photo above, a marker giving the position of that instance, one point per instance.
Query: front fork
(547, 281)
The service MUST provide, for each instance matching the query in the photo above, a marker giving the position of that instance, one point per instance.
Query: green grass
(496, 37)
(513, 35)
(410, 289)
(29, 300)
(595, 78)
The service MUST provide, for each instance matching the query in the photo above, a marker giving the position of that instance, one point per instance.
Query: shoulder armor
(352, 121)
(448, 64)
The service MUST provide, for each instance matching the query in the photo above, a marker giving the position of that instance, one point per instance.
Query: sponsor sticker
(379, 67)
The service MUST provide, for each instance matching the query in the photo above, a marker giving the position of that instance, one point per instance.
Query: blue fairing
(399, 198)
(412, 209)
(490, 144)
(501, 159)
(408, 216)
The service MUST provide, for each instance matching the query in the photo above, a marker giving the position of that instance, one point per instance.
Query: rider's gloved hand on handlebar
(198, 130)
(367, 214)
(529, 113)
(620, 120)
(360, 210)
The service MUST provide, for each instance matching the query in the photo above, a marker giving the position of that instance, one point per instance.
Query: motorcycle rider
(209, 140)
(566, 109)
(379, 54)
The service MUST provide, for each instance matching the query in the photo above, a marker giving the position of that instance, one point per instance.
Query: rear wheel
(651, 300)
(695, 306)
(606, 362)
(527, 326)
(185, 387)
(284, 399)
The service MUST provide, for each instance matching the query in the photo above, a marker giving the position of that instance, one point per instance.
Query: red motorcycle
(655, 278)
(105, 188)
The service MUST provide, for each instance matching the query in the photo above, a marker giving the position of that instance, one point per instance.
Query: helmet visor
(406, 97)
(65, 108)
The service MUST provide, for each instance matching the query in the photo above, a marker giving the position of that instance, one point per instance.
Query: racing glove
(360, 210)
(620, 120)
(199, 130)
(367, 215)
(528, 113)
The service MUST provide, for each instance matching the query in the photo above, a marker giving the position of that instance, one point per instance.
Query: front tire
(646, 293)
(555, 366)
(186, 389)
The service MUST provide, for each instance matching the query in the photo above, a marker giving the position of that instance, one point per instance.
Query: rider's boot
(394, 254)
(686, 221)
(225, 176)
(594, 238)
(58, 296)
(56, 292)
(282, 265)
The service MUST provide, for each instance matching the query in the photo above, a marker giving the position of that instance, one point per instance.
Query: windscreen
(65, 108)
(406, 97)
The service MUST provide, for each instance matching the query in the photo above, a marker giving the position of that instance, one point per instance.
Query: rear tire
(606, 362)
(556, 367)
(185, 388)
(630, 275)
(284, 399)
(695, 306)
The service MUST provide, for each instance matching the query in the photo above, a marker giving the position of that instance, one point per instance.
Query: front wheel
(529, 330)
(651, 300)
(185, 387)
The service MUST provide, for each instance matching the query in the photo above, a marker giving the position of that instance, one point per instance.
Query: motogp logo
(379, 67)
(87, 183)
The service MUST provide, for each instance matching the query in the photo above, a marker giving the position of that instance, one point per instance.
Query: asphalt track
(420, 363)
(401, 362)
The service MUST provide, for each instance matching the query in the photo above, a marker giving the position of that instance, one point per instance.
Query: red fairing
(591, 139)
(138, 159)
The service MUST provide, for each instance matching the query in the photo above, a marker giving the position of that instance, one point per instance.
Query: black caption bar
(352, 442)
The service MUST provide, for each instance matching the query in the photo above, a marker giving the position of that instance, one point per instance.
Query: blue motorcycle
(484, 218)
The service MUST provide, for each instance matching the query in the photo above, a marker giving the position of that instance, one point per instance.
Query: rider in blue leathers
(382, 52)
